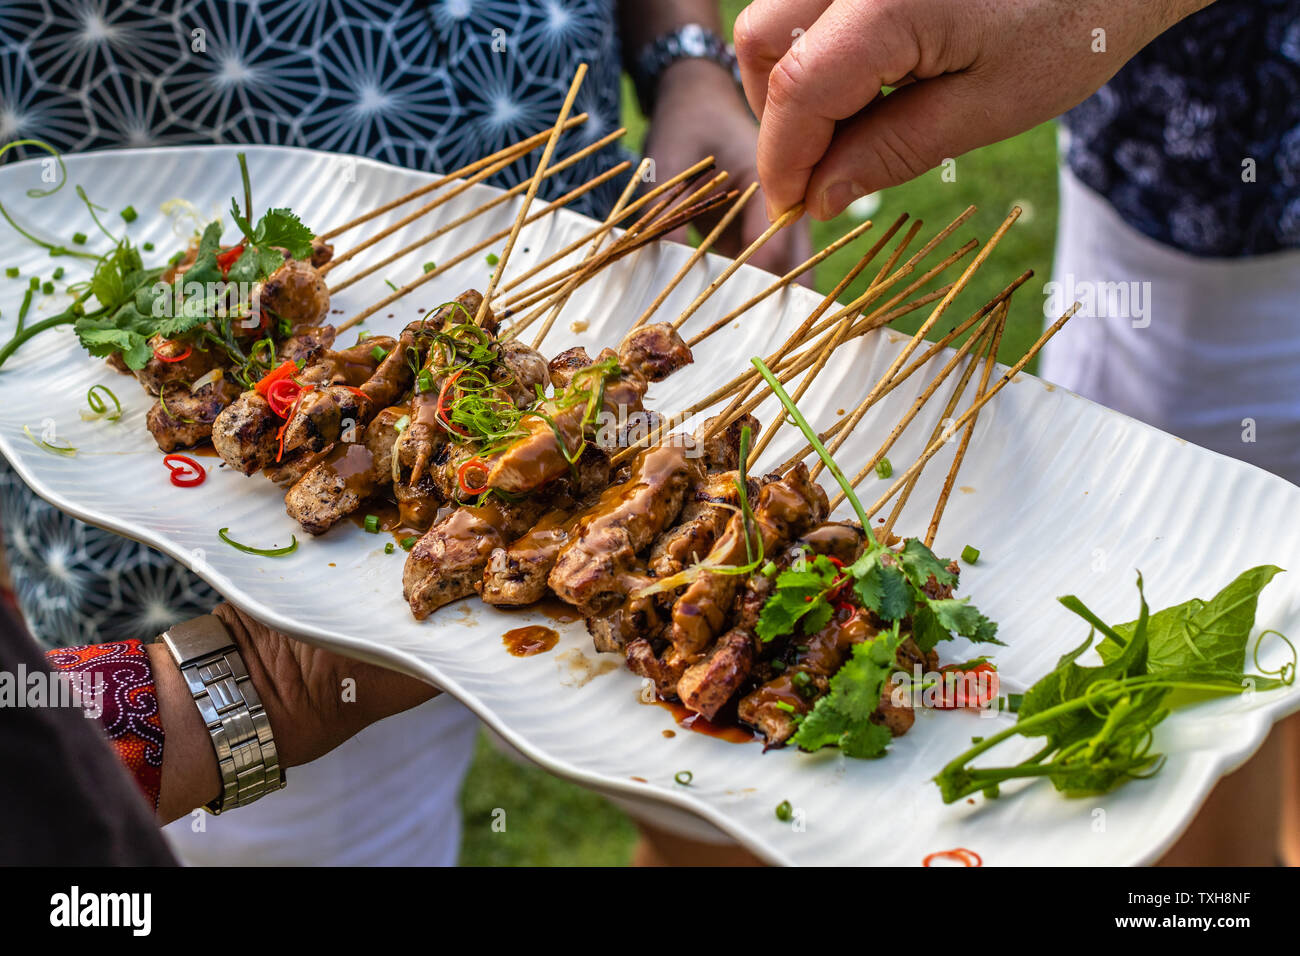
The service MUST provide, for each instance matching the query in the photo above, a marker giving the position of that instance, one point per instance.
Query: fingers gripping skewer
(512, 152)
(547, 153)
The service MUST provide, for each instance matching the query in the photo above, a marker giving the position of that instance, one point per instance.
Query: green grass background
(553, 822)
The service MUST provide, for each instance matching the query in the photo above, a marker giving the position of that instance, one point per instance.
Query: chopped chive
(79, 238)
(429, 267)
(684, 777)
(769, 569)
(58, 273)
(12, 272)
(883, 468)
(407, 543)
(129, 214)
(147, 247)
(388, 548)
(970, 555)
(786, 706)
(372, 524)
(424, 381)
(389, 283)
(34, 283)
(48, 288)
(493, 259)
(378, 353)
(399, 426)
(264, 552)
(778, 666)
(784, 812)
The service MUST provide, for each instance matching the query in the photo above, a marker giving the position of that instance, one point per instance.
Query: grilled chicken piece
(245, 433)
(722, 451)
(655, 351)
(344, 476)
(332, 488)
(637, 618)
(785, 508)
(294, 292)
(158, 373)
(321, 252)
(562, 367)
(708, 508)
(447, 562)
(590, 569)
(527, 371)
(707, 685)
(307, 344)
(647, 354)
(187, 419)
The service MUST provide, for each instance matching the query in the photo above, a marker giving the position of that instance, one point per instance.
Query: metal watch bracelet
(231, 709)
(689, 42)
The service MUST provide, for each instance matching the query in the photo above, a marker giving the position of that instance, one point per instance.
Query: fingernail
(838, 196)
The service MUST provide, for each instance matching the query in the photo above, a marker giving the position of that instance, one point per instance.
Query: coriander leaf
(961, 617)
(798, 595)
(282, 229)
(241, 223)
(842, 717)
(881, 587)
(919, 563)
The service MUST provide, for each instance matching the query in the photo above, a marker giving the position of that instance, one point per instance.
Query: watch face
(693, 40)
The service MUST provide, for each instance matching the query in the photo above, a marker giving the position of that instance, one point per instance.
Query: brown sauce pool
(527, 641)
(733, 732)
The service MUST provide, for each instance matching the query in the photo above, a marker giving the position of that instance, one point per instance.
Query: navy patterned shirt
(1196, 141)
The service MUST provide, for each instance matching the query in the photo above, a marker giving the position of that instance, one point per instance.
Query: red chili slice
(279, 436)
(185, 471)
(440, 412)
(475, 462)
(228, 258)
(189, 350)
(952, 696)
(287, 368)
(281, 394)
(962, 855)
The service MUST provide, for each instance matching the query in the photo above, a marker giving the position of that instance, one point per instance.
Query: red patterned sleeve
(117, 686)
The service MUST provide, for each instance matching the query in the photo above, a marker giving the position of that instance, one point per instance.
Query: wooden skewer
(631, 208)
(970, 413)
(934, 317)
(595, 243)
(414, 284)
(456, 223)
(513, 151)
(989, 361)
(625, 245)
(785, 219)
(730, 412)
(918, 363)
(700, 251)
(546, 288)
(810, 263)
(547, 153)
(989, 334)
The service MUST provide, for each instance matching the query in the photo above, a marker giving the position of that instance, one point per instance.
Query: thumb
(899, 137)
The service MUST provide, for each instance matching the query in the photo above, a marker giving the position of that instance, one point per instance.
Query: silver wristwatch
(689, 42)
(231, 709)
